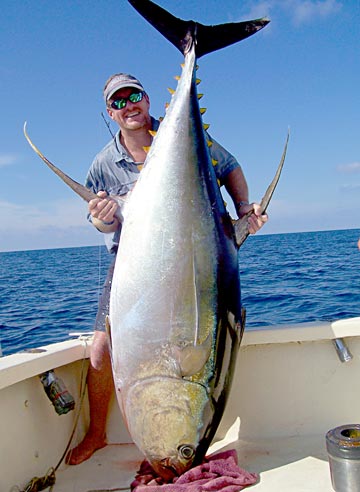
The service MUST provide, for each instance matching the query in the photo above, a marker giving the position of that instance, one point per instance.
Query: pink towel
(217, 472)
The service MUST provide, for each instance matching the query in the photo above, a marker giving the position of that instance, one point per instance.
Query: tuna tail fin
(182, 33)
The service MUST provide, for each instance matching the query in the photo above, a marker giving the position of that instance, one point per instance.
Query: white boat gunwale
(22, 365)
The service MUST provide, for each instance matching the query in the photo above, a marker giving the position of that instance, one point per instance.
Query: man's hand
(256, 219)
(102, 211)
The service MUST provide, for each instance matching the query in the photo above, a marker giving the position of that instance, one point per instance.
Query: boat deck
(295, 464)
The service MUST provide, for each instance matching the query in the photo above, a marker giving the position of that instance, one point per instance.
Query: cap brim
(123, 86)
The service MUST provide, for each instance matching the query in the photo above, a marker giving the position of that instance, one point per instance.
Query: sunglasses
(134, 97)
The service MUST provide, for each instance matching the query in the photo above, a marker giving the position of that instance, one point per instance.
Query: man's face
(134, 115)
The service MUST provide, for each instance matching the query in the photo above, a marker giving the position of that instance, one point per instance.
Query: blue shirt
(114, 171)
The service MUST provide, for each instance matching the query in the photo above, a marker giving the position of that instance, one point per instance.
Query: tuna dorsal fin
(182, 33)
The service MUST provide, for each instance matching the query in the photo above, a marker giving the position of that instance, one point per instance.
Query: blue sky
(302, 71)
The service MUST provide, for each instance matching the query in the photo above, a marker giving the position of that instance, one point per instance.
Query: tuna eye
(186, 451)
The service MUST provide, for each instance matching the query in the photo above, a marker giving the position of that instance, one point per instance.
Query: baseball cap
(119, 81)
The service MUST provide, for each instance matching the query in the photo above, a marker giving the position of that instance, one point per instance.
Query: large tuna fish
(175, 311)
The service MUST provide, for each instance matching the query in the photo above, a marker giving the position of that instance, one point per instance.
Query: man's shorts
(104, 301)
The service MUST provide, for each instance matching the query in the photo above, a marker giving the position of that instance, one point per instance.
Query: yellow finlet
(209, 142)
(198, 81)
(147, 148)
(172, 91)
(140, 166)
(202, 110)
(167, 105)
(152, 133)
(177, 77)
(214, 162)
(199, 96)
(218, 181)
(182, 65)
(206, 126)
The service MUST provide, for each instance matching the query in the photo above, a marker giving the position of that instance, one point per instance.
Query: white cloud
(308, 10)
(7, 159)
(352, 167)
(62, 214)
(46, 225)
(350, 187)
(261, 9)
(301, 11)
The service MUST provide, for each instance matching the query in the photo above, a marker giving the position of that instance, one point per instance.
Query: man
(115, 171)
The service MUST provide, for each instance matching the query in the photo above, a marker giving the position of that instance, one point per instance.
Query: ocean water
(286, 278)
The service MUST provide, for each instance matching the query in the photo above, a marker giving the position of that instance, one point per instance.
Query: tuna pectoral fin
(192, 358)
(208, 38)
(81, 190)
(241, 225)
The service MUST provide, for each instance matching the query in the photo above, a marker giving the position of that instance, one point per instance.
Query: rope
(37, 484)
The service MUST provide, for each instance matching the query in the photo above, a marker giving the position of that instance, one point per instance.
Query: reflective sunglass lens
(134, 97)
(118, 104)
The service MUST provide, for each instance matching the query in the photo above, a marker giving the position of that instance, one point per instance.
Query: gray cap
(119, 81)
